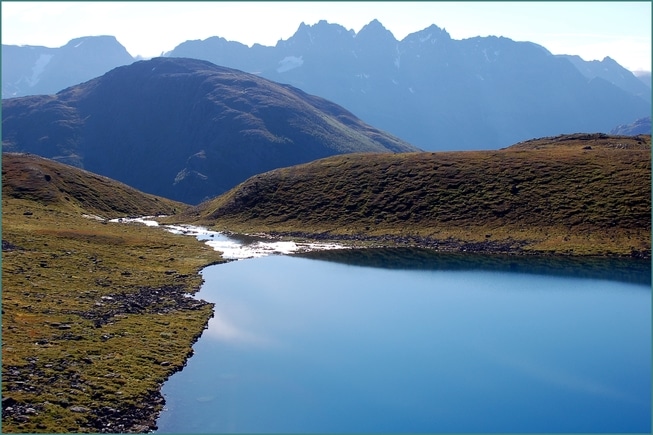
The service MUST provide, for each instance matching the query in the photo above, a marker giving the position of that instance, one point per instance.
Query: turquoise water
(399, 341)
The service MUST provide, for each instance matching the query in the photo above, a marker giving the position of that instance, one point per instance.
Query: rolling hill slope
(574, 194)
(95, 314)
(49, 183)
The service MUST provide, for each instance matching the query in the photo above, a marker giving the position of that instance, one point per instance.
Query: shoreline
(289, 243)
(490, 247)
(319, 242)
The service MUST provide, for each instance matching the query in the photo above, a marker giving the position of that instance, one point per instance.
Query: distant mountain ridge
(185, 129)
(439, 93)
(34, 70)
(640, 126)
(608, 69)
(429, 89)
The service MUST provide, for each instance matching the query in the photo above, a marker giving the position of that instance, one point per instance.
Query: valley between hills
(95, 316)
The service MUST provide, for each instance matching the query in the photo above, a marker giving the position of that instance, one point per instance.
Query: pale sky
(592, 30)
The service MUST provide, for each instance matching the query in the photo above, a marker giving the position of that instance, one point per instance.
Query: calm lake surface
(408, 341)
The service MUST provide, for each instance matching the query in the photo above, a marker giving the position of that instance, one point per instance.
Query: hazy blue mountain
(439, 93)
(185, 129)
(34, 70)
(433, 91)
(640, 126)
(611, 71)
(644, 77)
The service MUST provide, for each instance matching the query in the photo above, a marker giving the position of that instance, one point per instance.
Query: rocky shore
(508, 246)
(117, 417)
(114, 417)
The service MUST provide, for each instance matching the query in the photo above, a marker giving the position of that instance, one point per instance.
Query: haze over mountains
(185, 129)
(428, 89)
(438, 93)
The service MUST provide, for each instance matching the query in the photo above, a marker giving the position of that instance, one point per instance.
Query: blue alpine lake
(410, 341)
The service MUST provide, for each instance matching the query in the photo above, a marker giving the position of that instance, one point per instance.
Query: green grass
(574, 194)
(94, 317)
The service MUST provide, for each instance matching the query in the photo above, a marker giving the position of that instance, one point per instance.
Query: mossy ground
(94, 316)
(575, 194)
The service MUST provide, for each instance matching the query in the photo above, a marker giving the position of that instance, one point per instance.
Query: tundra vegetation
(582, 194)
(94, 313)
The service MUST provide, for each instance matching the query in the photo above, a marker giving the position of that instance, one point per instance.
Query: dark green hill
(185, 129)
(574, 194)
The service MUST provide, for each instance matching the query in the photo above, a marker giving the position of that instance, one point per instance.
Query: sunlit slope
(94, 314)
(50, 183)
(576, 194)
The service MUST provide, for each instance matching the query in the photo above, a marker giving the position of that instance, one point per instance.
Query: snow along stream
(231, 248)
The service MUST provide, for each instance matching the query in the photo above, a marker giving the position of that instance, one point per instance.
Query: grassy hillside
(575, 194)
(94, 316)
(30, 177)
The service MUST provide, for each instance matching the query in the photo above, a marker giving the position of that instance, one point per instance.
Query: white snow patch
(236, 251)
(92, 216)
(80, 43)
(146, 220)
(412, 91)
(38, 68)
(232, 249)
(289, 62)
(425, 38)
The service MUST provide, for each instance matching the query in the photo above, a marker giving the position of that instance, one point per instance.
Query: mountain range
(185, 129)
(433, 91)
(439, 93)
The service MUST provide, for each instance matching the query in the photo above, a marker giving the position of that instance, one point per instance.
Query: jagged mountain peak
(321, 32)
(375, 30)
(608, 69)
(432, 34)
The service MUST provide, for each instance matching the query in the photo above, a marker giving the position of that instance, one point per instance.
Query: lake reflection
(438, 344)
